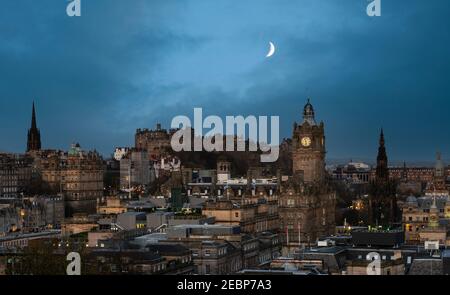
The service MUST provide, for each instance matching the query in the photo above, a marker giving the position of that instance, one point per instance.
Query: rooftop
(325, 250)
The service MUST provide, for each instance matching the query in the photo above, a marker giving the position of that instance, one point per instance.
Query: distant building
(178, 257)
(157, 219)
(10, 220)
(117, 261)
(132, 220)
(213, 253)
(155, 142)
(353, 173)
(79, 223)
(15, 175)
(113, 205)
(76, 174)
(21, 240)
(112, 177)
(437, 186)
(424, 218)
(135, 169)
(42, 212)
(254, 215)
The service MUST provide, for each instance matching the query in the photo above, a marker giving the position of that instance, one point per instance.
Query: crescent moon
(272, 50)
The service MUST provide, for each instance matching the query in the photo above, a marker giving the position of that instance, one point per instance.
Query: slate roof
(426, 266)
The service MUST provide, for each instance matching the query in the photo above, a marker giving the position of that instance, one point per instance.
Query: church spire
(33, 118)
(382, 142)
(34, 136)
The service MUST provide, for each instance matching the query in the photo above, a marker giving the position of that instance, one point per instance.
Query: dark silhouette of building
(382, 192)
(382, 172)
(34, 135)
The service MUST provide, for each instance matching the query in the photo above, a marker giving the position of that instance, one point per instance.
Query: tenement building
(254, 210)
(307, 202)
(15, 175)
(419, 215)
(76, 174)
(135, 169)
(251, 203)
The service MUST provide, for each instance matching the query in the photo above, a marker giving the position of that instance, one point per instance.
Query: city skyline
(34, 128)
(361, 73)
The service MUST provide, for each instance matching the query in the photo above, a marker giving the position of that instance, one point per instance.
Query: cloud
(125, 65)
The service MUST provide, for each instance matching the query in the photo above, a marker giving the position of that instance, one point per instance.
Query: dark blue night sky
(124, 65)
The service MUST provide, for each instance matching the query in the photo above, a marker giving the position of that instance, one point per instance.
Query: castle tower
(34, 135)
(308, 143)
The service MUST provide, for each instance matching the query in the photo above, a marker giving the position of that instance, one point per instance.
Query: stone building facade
(308, 147)
(418, 213)
(76, 174)
(307, 212)
(307, 204)
(135, 169)
(255, 211)
(15, 175)
(155, 142)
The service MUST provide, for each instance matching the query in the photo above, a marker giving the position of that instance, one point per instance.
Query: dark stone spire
(382, 160)
(33, 118)
(382, 142)
(34, 135)
(383, 208)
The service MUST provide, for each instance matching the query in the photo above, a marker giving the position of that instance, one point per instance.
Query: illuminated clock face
(306, 141)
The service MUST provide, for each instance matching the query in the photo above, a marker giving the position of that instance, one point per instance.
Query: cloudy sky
(124, 65)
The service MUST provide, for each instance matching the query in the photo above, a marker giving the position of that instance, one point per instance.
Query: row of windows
(5, 190)
(425, 219)
(251, 246)
(410, 228)
(14, 243)
(428, 210)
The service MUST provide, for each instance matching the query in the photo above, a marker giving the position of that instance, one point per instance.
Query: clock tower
(308, 147)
